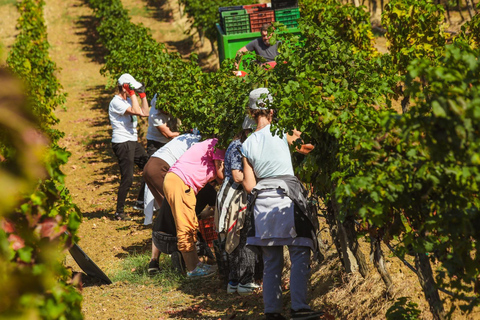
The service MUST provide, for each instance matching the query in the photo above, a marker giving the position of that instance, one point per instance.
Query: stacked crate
(260, 15)
(251, 18)
(234, 20)
(286, 12)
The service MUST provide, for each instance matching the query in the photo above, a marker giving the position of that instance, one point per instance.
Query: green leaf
(437, 109)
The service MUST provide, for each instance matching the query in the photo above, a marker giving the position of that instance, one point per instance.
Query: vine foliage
(37, 210)
(408, 178)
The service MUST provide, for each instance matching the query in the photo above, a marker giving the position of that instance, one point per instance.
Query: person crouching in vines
(277, 210)
(198, 166)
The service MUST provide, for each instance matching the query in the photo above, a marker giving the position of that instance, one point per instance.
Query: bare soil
(93, 177)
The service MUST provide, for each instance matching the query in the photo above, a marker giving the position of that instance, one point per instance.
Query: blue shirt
(269, 155)
(233, 158)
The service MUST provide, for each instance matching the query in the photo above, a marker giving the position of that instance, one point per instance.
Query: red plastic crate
(260, 18)
(251, 8)
(207, 228)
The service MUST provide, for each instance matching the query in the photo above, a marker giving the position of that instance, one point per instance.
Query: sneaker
(245, 289)
(122, 216)
(139, 205)
(177, 262)
(153, 267)
(232, 288)
(201, 271)
(209, 267)
(306, 314)
(274, 316)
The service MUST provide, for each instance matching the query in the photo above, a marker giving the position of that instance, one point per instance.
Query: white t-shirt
(124, 125)
(156, 118)
(269, 155)
(173, 150)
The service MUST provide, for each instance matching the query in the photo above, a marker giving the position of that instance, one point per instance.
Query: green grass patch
(134, 270)
(6, 2)
(141, 11)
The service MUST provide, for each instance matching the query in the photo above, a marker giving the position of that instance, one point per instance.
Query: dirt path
(92, 174)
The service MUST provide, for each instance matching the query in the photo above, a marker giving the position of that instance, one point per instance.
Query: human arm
(249, 180)
(135, 109)
(236, 162)
(219, 167)
(237, 176)
(239, 53)
(304, 148)
(165, 131)
(144, 107)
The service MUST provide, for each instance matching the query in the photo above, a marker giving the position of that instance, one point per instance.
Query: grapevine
(35, 223)
(391, 172)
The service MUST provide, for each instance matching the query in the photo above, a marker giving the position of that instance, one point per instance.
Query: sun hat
(260, 99)
(127, 78)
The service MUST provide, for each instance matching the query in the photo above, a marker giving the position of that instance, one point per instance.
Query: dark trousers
(154, 174)
(128, 154)
(242, 261)
(152, 147)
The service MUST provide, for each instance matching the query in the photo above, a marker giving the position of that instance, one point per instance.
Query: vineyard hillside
(122, 248)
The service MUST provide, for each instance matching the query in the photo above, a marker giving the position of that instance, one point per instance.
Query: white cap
(258, 99)
(127, 78)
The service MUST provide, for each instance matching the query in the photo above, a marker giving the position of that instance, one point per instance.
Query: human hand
(129, 90)
(141, 91)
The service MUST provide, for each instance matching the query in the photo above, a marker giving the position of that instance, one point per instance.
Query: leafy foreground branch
(37, 210)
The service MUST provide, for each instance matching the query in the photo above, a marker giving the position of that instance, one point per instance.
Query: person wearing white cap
(278, 212)
(123, 111)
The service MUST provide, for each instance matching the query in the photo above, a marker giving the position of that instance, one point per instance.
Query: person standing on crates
(278, 211)
(262, 46)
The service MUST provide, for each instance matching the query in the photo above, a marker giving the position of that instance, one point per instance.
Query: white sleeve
(159, 119)
(120, 106)
(244, 149)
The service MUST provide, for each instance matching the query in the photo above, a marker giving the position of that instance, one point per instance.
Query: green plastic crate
(240, 12)
(235, 21)
(289, 17)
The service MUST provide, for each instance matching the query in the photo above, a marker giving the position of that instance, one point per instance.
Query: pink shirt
(196, 167)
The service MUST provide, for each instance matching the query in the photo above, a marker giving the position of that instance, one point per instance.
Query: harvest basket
(207, 229)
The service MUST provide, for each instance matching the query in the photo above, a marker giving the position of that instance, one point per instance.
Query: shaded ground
(92, 177)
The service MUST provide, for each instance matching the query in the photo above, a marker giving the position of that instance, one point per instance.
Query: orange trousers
(182, 200)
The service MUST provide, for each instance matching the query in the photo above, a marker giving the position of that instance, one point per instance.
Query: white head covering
(127, 78)
(259, 98)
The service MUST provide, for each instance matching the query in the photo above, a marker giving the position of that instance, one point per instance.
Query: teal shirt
(269, 155)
